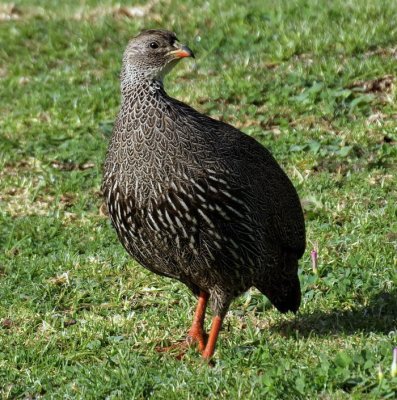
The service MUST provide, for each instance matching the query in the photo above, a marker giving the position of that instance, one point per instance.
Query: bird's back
(253, 171)
(273, 212)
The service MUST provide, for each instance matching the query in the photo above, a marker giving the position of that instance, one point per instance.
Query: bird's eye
(154, 45)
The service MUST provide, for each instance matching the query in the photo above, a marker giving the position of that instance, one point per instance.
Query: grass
(315, 83)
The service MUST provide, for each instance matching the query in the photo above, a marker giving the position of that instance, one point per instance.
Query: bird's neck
(134, 82)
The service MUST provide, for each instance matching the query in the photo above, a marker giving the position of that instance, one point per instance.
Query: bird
(195, 199)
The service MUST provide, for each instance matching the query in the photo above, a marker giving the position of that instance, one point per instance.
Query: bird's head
(152, 54)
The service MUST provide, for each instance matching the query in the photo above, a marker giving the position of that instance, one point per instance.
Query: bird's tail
(282, 288)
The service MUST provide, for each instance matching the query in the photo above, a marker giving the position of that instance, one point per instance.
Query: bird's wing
(269, 188)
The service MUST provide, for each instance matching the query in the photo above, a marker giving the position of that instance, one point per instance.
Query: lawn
(314, 82)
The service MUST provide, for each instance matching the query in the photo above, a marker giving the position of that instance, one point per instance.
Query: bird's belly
(166, 254)
(202, 250)
(150, 250)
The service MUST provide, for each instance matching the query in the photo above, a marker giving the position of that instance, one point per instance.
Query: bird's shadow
(378, 316)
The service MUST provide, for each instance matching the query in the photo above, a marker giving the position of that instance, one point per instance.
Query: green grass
(80, 319)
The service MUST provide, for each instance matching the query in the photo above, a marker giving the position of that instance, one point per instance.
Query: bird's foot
(180, 348)
(199, 336)
(195, 336)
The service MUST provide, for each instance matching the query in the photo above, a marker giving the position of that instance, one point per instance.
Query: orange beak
(181, 52)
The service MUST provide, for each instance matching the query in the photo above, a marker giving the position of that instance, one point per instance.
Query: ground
(314, 82)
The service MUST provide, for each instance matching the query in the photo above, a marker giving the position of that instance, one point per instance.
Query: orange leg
(197, 332)
(213, 336)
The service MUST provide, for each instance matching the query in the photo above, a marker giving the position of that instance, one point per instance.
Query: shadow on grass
(379, 316)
